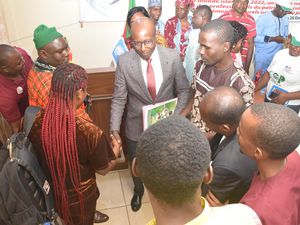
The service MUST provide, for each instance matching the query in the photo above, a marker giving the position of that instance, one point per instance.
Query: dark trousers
(131, 149)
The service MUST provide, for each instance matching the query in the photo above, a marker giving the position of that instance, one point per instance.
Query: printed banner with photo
(116, 10)
(158, 111)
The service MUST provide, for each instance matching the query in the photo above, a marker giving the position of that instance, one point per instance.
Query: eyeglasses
(139, 44)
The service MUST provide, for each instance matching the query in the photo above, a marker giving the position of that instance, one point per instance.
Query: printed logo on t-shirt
(288, 70)
(278, 78)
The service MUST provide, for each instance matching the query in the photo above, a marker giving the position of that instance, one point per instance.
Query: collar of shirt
(201, 219)
(234, 14)
(156, 68)
(42, 66)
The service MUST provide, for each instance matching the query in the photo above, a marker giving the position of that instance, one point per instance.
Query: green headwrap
(43, 35)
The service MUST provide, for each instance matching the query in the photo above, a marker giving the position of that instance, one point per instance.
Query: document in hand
(156, 112)
(273, 92)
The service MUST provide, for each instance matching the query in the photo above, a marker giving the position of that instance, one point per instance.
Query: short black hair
(240, 31)
(225, 105)
(222, 28)
(133, 11)
(278, 129)
(5, 50)
(206, 11)
(172, 158)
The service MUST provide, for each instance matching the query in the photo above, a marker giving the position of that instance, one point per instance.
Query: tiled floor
(116, 190)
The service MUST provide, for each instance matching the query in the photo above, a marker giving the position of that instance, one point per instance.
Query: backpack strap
(29, 117)
(32, 165)
(28, 160)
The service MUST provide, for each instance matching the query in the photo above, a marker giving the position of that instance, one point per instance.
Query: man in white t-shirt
(282, 77)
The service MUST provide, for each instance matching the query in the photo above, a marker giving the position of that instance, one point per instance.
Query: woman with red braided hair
(71, 148)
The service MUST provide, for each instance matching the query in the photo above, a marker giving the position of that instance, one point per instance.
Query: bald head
(143, 37)
(143, 24)
(223, 105)
(11, 62)
(5, 52)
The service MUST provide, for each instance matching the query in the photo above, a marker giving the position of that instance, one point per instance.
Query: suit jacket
(233, 170)
(131, 90)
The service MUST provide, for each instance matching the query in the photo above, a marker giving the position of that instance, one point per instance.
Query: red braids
(59, 134)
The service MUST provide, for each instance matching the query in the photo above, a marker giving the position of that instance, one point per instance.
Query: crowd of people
(220, 159)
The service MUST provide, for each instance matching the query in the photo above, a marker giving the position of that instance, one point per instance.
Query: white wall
(91, 44)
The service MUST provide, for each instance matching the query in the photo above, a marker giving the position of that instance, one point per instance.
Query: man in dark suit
(145, 75)
(221, 110)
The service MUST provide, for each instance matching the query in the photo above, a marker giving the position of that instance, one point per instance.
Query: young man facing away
(173, 160)
(269, 133)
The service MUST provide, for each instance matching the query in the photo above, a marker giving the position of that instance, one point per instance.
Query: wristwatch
(267, 38)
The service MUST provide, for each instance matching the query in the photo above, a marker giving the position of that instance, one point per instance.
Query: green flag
(127, 32)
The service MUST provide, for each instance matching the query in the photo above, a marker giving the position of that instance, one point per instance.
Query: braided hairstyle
(240, 31)
(59, 134)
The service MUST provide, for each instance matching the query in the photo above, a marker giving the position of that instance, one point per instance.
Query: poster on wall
(103, 10)
(116, 10)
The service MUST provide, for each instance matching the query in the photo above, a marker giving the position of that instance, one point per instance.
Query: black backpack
(25, 194)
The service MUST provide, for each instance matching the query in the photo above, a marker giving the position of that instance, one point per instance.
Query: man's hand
(281, 98)
(213, 201)
(116, 142)
(278, 39)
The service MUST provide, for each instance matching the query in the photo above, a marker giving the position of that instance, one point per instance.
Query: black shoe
(100, 217)
(136, 202)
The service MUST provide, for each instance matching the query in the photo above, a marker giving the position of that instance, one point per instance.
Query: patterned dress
(177, 37)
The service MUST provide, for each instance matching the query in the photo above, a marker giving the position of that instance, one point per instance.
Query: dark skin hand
(281, 98)
(116, 141)
(213, 201)
(15, 126)
(278, 39)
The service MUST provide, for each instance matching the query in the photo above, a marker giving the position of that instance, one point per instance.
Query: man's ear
(258, 154)
(134, 169)
(3, 69)
(42, 54)
(227, 46)
(226, 128)
(208, 177)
